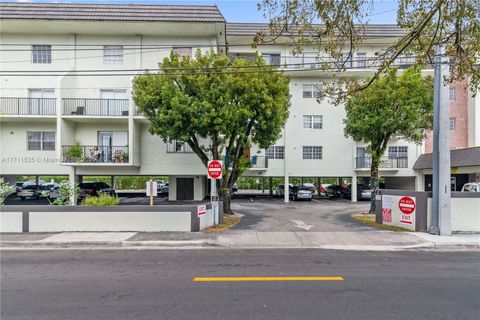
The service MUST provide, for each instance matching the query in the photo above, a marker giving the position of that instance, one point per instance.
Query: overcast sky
(245, 10)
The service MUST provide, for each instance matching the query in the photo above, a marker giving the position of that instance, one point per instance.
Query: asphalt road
(157, 284)
(322, 215)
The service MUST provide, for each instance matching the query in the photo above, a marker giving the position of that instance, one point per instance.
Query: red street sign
(214, 169)
(406, 205)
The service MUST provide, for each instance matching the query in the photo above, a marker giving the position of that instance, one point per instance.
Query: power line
(299, 64)
(199, 73)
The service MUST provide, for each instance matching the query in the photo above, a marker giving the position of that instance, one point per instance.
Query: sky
(245, 10)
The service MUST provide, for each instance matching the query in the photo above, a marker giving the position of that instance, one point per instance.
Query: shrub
(5, 190)
(102, 199)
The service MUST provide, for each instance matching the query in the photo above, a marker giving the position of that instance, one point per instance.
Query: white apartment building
(56, 102)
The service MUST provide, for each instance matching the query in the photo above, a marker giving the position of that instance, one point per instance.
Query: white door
(110, 107)
(37, 105)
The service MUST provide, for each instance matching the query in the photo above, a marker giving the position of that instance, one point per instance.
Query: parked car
(28, 190)
(54, 193)
(335, 191)
(323, 189)
(162, 187)
(45, 190)
(280, 189)
(301, 193)
(471, 187)
(18, 186)
(234, 188)
(93, 188)
(310, 186)
(364, 192)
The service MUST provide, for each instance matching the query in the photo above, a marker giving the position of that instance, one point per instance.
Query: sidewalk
(361, 241)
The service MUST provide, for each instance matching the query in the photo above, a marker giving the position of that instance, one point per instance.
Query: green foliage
(396, 106)
(339, 29)
(74, 153)
(66, 191)
(216, 108)
(5, 190)
(102, 199)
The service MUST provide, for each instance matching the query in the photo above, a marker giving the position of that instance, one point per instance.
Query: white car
(471, 187)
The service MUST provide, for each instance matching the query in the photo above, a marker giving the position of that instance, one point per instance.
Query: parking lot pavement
(309, 216)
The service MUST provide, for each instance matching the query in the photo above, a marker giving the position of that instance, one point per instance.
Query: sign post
(214, 171)
(399, 211)
(151, 190)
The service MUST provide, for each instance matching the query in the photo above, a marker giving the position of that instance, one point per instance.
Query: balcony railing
(28, 106)
(95, 107)
(385, 163)
(258, 162)
(95, 154)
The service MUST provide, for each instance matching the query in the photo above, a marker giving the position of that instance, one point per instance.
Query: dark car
(301, 193)
(335, 191)
(93, 188)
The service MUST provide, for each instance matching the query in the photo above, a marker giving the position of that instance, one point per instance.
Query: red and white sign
(399, 211)
(214, 169)
(406, 205)
(201, 210)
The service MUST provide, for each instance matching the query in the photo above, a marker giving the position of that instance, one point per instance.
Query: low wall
(116, 218)
(465, 209)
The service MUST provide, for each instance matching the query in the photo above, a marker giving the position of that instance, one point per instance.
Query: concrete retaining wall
(117, 218)
(465, 209)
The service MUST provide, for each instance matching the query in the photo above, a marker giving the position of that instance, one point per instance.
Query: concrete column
(112, 182)
(301, 181)
(73, 181)
(354, 188)
(263, 184)
(420, 182)
(319, 185)
(270, 183)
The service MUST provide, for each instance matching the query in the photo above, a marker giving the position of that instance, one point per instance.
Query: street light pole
(441, 215)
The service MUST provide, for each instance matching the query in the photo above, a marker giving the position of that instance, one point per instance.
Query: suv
(364, 192)
(93, 188)
(335, 191)
(471, 187)
(280, 190)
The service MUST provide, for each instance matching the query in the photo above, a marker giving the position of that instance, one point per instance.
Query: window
(312, 122)
(361, 60)
(41, 53)
(452, 93)
(311, 90)
(275, 152)
(113, 54)
(40, 140)
(183, 51)
(406, 61)
(271, 59)
(312, 152)
(395, 152)
(176, 146)
(452, 124)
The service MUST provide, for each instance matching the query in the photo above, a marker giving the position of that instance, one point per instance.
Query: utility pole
(441, 215)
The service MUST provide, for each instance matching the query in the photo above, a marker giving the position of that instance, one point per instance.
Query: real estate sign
(399, 211)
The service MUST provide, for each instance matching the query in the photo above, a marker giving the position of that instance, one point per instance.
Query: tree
(396, 106)
(338, 27)
(216, 108)
(5, 190)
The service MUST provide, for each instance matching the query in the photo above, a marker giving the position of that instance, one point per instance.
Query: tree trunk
(374, 181)
(226, 198)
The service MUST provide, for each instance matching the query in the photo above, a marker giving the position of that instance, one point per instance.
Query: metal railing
(28, 106)
(385, 162)
(95, 154)
(259, 162)
(95, 107)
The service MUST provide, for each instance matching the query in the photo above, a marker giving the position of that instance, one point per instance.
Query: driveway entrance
(316, 216)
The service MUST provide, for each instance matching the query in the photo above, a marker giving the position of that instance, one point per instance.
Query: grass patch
(369, 220)
(228, 222)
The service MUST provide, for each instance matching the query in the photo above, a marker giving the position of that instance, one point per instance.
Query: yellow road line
(238, 279)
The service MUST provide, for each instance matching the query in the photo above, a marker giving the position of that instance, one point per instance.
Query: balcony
(258, 162)
(95, 107)
(28, 106)
(83, 154)
(385, 163)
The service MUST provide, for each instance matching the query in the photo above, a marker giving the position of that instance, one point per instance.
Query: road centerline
(258, 279)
